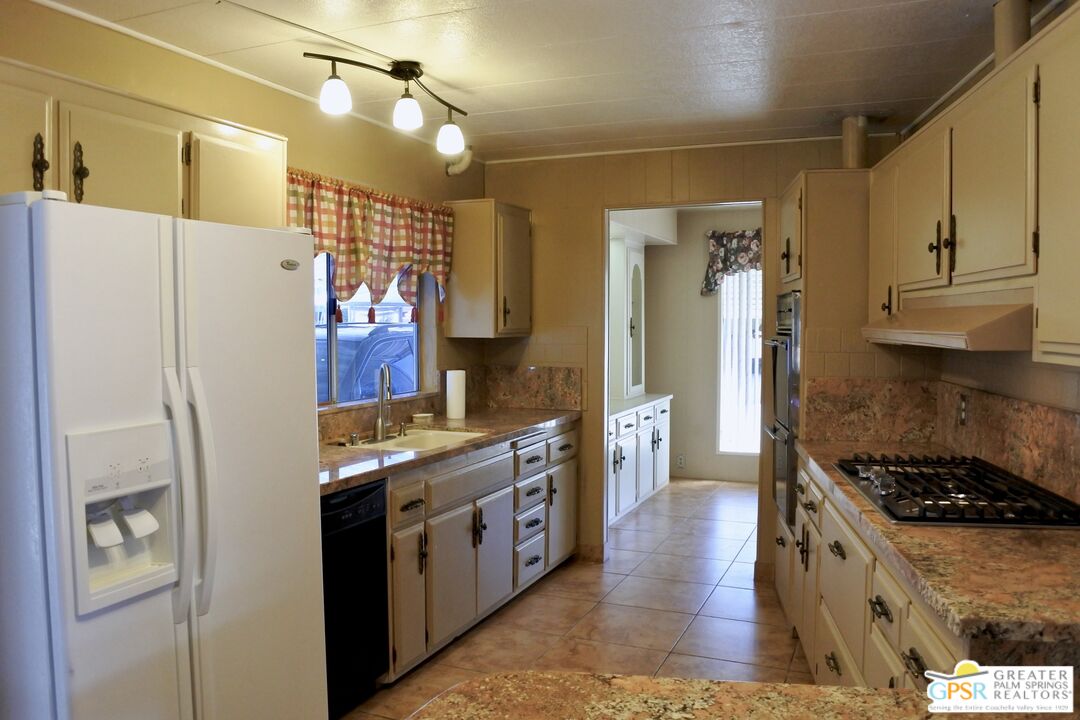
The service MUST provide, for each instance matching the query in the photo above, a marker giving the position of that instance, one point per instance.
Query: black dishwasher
(354, 594)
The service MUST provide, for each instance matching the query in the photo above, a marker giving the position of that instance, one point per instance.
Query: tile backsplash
(872, 410)
(531, 386)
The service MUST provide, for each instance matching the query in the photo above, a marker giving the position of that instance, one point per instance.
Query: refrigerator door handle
(185, 452)
(197, 400)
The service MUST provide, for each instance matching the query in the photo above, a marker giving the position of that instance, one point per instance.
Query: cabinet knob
(810, 506)
(837, 549)
(780, 541)
(833, 664)
(800, 488)
(914, 662)
(880, 608)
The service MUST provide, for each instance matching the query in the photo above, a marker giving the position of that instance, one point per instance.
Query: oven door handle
(772, 433)
(773, 343)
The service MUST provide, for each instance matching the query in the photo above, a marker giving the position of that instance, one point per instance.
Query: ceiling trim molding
(116, 27)
(741, 143)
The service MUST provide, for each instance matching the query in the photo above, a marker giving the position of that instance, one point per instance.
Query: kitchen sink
(417, 439)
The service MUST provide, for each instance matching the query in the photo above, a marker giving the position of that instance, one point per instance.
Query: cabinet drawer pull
(534, 459)
(810, 506)
(566, 446)
(800, 488)
(647, 417)
(412, 505)
(627, 426)
(914, 662)
(837, 549)
(833, 664)
(534, 491)
(663, 412)
(880, 608)
(780, 541)
(533, 523)
(533, 560)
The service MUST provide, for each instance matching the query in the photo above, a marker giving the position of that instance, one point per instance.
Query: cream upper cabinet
(993, 178)
(489, 292)
(791, 231)
(922, 198)
(238, 179)
(25, 121)
(883, 296)
(1057, 330)
(119, 161)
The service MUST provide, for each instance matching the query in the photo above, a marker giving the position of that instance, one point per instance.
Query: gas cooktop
(955, 491)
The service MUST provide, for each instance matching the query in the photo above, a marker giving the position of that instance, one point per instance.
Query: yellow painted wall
(345, 147)
(568, 197)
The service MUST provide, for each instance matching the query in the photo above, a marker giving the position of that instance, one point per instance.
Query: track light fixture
(336, 100)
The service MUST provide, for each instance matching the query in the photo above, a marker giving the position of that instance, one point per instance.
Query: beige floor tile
(799, 664)
(725, 529)
(798, 678)
(682, 567)
(741, 574)
(640, 627)
(551, 614)
(577, 655)
(623, 561)
(584, 581)
(701, 546)
(748, 554)
(635, 540)
(738, 641)
(670, 595)
(414, 690)
(495, 648)
(649, 522)
(735, 512)
(759, 605)
(690, 666)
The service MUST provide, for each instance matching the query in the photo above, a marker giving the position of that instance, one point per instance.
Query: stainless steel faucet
(382, 420)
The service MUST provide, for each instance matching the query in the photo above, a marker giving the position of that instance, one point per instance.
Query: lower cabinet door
(646, 445)
(845, 565)
(921, 650)
(495, 549)
(612, 482)
(882, 667)
(409, 607)
(811, 588)
(785, 565)
(663, 455)
(562, 511)
(628, 468)
(832, 662)
(451, 573)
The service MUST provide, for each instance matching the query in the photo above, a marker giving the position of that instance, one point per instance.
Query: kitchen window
(350, 349)
(739, 420)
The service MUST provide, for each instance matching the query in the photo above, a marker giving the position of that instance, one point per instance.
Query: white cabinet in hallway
(646, 459)
(625, 458)
(639, 452)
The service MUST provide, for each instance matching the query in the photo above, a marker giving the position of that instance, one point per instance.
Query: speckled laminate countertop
(990, 585)
(583, 696)
(342, 467)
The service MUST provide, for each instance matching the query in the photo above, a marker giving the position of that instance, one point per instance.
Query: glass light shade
(335, 98)
(450, 141)
(407, 113)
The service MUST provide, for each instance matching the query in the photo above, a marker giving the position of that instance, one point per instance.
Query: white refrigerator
(160, 540)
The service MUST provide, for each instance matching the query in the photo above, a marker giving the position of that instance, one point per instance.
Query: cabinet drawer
(663, 410)
(814, 502)
(407, 504)
(530, 459)
(530, 522)
(888, 606)
(845, 566)
(882, 667)
(646, 417)
(529, 492)
(562, 447)
(921, 650)
(612, 430)
(529, 560)
(469, 481)
(627, 424)
(832, 662)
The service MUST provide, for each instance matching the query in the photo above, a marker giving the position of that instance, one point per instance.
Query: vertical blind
(739, 405)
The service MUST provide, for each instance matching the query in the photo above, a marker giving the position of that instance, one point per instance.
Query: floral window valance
(373, 237)
(730, 253)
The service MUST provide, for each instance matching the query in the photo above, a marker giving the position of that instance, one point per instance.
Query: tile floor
(676, 598)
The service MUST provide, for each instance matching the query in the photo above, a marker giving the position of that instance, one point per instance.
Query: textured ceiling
(548, 77)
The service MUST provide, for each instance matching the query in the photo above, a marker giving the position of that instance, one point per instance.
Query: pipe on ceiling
(853, 141)
(1012, 27)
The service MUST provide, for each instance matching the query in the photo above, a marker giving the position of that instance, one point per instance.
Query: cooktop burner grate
(956, 491)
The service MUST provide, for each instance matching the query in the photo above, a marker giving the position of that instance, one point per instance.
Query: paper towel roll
(455, 394)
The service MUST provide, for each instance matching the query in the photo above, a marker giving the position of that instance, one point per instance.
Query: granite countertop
(341, 468)
(989, 583)
(583, 696)
(618, 407)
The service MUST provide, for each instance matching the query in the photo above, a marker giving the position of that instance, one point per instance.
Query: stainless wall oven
(785, 427)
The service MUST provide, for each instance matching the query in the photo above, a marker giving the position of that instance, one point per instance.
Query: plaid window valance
(730, 253)
(373, 237)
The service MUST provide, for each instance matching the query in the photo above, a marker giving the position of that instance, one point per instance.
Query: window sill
(361, 404)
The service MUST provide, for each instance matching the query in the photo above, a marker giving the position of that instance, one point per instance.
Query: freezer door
(249, 371)
(100, 346)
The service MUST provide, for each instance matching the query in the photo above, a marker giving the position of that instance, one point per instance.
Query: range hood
(977, 327)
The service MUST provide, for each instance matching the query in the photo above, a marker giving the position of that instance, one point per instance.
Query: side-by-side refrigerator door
(113, 462)
(249, 376)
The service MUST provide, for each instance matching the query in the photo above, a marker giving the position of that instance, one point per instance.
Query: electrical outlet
(113, 470)
(142, 466)
(961, 410)
(680, 461)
